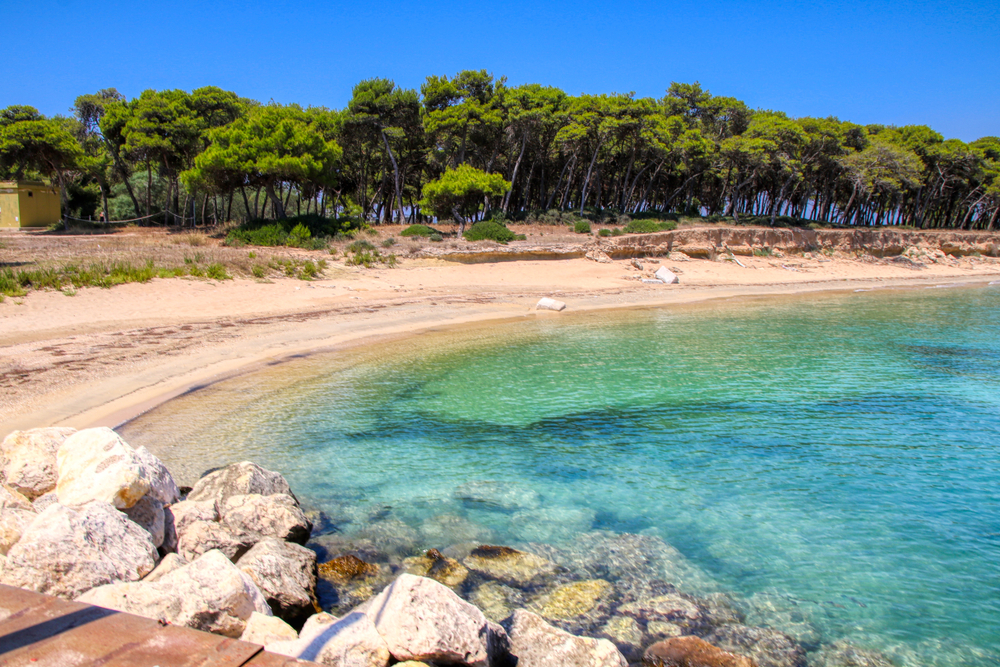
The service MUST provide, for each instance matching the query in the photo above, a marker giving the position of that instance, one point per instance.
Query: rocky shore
(85, 516)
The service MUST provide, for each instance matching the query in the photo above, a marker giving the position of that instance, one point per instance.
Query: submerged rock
(28, 460)
(535, 643)
(551, 523)
(286, 576)
(346, 581)
(67, 551)
(501, 495)
(440, 568)
(675, 608)
(626, 635)
(96, 464)
(351, 641)
(844, 654)
(347, 567)
(510, 566)
(238, 479)
(277, 515)
(451, 529)
(691, 652)
(210, 594)
(768, 648)
(569, 601)
(262, 629)
(497, 601)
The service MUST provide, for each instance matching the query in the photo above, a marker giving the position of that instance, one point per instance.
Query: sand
(103, 356)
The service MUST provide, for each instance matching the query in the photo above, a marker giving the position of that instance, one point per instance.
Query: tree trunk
(513, 177)
(276, 204)
(586, 182)
(395, 172)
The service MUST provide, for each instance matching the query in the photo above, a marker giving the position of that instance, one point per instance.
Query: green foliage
(257, 271)
(649, 226)
(419, 230)
(360, 245)
(489, 230)
(461, 191)
(217, 271)
(604, 232)
(582, 227)
(389, 242)
(311, 232)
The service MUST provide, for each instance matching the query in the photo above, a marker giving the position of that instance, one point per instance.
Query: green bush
(309, 271)
(301, 231)
(582, 227)
(257, 270)
(359, 246)
(604, 232)
(617, 232)
(649, 226)
(217, 272)
(389, 242)
(419, 230)
(488, 230)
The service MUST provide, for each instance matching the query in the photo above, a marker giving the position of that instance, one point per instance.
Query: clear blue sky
(892, 62)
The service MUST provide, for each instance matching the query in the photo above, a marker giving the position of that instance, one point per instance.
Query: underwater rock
(440, 568)
(346, 581)
(391, 536)
(568, 601)
(276, 515)
(28, 460)
(286, 575)
(347, 567)
(66, 551)
(501, 495)
(96, 464)
(768, 648)
(236, 480)
(351, 641)
(261, 629)
(148, 513)
(210, 594)
(663, 629)
(451, 528)
(535, 643)
(676, 608)
(508, 565)
(551, 523)
(625, 634)
(844, 654)
(497, 601)
(691, 652)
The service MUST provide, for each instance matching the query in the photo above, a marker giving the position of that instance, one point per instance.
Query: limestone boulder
(67, 551)
(508, 565)
(210, 594)
(667, 276)
(148, 513)
(438, 567)
(421, 619)
(42, 502)
(286, 575)
(690, 651)
(97, 464)
(352, 641)
(178, 516)
(263, 630)
(238, 479)
(547, 303)
(276, 515)
(200, 537)
(599, 256)
(535, 643)
(167, 564)
(161, 483)
(767, 647)
(16, 512)
(28, 460)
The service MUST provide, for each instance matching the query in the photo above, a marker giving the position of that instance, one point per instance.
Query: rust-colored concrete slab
(39, 630)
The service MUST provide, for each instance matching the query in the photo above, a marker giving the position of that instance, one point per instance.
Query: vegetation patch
(582, 227)
(649, 226)
(490, 230)
(420, 230)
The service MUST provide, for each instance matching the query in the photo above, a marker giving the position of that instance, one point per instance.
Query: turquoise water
(831, 461)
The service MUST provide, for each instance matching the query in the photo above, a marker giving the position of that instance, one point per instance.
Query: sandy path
(102, 356)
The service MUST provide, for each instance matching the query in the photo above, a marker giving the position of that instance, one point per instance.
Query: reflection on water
(830, 464)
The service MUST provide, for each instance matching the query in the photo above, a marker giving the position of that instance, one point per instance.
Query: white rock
(203, 536)
(161, 482)
(599, 256)
(96, 464)
(16, 512)
(210, 594)
(276, 515)
(652, 281)
(42, 502)
(421, 619)
(28, 460)
(66, 551)
(177, 517)
(667, 276)
(168, 564)
(238, 479)
(545, 303)
(535, 643)
(148, 513)
(352, 641)
(261, 629)
(286, 575)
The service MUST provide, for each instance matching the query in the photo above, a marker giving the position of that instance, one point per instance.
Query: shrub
(488, 230)
(257, 270)
(360, 246)
(604, 232)
(300, 236)
(582, 227)
(649, 226)
(389, 242)
(617, 232)
(217, 271)
(309, 271)
(419, 230)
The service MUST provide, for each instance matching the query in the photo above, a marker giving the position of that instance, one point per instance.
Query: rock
(496, 600)
(67, 551)
(28, 460)
(16, 512)
(261, 629)
(161, 482)
(210, 594)
(421, 619)
(844, 654)
(177, 518)
(568, 601)
(346, 581)
(391, 537)
(535, 643)
(636, 264)
(42, 502)
(450, 529)
(148, 513)
(201, 537)
(768, 648)
(666, 275)
(168, 564)
(277, 515)
(626, 635)
(664, 629)
(674, 608)
(440, 568)
(500, 495)
(599, 256)
(347, 567)
(286, 575)
(545, 303)
(652, 281)
(691, 652)
(238, 479)
(508, 565)
(96, 464)
(546, 524)
(352, 641)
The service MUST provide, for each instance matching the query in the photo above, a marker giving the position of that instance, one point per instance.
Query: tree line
(211, 156)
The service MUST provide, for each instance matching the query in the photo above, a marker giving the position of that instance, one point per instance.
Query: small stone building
(28, 204)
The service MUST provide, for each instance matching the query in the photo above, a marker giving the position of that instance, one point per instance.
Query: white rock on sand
(28, 460)
(210, 594)
(546, 303)
(96, 464)
(667, 276)
(67, 551)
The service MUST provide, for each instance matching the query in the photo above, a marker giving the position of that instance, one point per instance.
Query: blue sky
(891, 62)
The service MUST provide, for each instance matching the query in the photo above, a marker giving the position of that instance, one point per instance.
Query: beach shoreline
(102, 357)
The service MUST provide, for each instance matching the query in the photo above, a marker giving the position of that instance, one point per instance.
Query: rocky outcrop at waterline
(109, 526)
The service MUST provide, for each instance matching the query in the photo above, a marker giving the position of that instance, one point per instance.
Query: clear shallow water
(833, 462)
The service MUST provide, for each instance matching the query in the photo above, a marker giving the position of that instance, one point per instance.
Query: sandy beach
(103, 356)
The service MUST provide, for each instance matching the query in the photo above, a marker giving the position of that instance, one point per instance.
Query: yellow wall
(28, 204)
